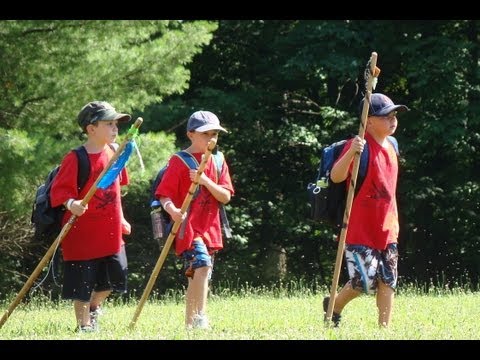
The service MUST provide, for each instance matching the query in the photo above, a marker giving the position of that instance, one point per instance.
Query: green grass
(254, 314)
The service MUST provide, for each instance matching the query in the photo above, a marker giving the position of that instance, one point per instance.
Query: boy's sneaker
(86, 329)
(200, 322)
(94, 314)
(335, 317)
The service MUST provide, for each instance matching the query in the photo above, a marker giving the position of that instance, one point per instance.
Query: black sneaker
(335, 317)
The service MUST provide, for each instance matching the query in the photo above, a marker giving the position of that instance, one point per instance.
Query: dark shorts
(196, 257)
(82, 277)
(366, 265)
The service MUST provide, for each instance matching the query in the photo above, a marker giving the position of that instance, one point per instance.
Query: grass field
(258, 315)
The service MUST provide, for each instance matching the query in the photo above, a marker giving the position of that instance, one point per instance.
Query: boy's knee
(197, 258)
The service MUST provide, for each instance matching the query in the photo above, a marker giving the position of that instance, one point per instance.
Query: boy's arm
(174, 212)
(220, 193)
(341, 168)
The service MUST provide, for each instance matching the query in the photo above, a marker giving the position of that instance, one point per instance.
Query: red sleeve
(175, 181)
(64, 185)
(124, 178)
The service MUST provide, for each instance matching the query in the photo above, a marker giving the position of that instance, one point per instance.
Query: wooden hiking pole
(371, 75)
(66, 228)
(173, 232)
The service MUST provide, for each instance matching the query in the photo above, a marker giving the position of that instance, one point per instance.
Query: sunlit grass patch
(259, 314)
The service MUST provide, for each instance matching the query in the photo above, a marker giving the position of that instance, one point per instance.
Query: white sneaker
(94, 315)
(86, 329)
(200, 322)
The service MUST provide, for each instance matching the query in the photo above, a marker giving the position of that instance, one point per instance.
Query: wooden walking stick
(371, 75)
(173, 232)
(66, 228)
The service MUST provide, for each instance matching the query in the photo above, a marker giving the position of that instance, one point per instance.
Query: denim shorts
(196, 257)
(366, 265)
(82, 277)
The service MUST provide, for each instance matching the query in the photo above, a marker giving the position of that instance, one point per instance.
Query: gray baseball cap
(99, 110)
(202, 121)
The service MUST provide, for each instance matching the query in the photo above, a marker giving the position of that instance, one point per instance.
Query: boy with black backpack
(95, 263)
(371, 242)
(201, 236)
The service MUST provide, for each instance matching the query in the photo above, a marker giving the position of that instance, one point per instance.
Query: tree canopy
(50, 69)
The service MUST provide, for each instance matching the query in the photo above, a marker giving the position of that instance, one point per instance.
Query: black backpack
(160, 217)
(46, 219)
(327, 199)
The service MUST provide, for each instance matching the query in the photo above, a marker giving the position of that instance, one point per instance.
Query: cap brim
(123, 118)
(113, 115)
(387, 110)
(209, 127)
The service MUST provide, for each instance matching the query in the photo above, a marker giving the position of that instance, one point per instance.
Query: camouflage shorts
(366, 265)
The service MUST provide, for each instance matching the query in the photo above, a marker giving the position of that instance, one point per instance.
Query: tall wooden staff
(173, 232)
(371, 75)
(66, 228)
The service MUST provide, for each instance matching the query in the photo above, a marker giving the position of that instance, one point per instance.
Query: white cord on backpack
(140, 160)
(50, 267)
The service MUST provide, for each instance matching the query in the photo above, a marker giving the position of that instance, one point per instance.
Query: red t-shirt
(98, 232)
(203, 218)
(374, 217)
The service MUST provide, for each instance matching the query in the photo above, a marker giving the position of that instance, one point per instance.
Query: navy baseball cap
(381, 105)
(99, 110)
(202, 121)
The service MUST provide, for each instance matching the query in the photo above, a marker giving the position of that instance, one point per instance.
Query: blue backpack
(166, 222)
(326, 198)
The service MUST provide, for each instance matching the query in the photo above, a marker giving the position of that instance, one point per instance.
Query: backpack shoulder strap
(362, 170)
(192, 163)
(363, 167)
(83, 166)
(394, 142)
(188, 159)
(219, 160)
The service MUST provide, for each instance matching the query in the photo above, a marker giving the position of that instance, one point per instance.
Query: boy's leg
(345, 295)
(361, 262)
(387, 283)
(341, 299)
(196, 297)
(111, 276)
(82, 312)
(94, 306)
(78, 282)
(385, 296)
(198, 268)
(97, 298)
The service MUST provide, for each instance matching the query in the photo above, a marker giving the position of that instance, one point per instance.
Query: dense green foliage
(50, 69)
(284, 89)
